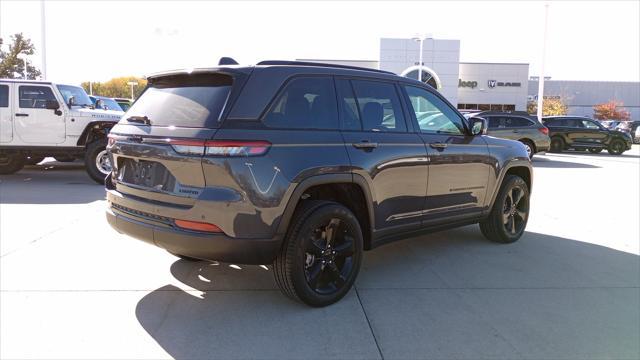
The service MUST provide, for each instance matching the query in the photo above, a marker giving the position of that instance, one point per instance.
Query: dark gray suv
(305, 165)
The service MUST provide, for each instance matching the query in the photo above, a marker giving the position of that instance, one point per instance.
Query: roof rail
(307, 63)
(512, 112)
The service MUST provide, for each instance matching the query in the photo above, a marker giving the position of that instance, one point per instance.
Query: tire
(508, 226)
(531, 148)
(95, 153)
(308, 269)
(557, 145)
(11, 163)
(64, 159)
(33, 160)
(616, 147)
(595, 151)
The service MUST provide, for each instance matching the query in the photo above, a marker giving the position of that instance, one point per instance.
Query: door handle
(438, 145)
(365, 145)
(21, 114)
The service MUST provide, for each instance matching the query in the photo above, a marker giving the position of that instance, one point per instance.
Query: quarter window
(590, 124)
(4, 96)
(379, 106)
(35, 97)
(434, 116)
(505, 122)
(306, 103)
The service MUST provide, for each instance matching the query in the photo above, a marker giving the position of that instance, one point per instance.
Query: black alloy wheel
(510, 212)
(616, 147)
(321, 255)
(329, 256)
(557, 145)
(514, 213)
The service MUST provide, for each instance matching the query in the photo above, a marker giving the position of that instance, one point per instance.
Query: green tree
(550, 107)
(11, 65)
(612, 110)
(117, 87)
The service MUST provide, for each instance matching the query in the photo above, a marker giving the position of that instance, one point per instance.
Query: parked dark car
(581, 133)
(305, 165)
(517, 125)
(105, 103)
(124, 103)
(631, 128)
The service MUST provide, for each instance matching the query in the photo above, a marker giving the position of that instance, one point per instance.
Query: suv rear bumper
(204, 246)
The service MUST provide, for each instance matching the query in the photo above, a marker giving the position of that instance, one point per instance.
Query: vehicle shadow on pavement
(50, 183)
(549, 163)
(445, 295)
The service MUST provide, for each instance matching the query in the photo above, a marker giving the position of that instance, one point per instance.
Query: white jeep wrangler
(40, 119)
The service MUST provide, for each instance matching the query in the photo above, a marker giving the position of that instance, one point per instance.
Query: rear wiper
(139, 119)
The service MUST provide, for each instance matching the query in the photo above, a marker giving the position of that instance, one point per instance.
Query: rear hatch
(157, 148)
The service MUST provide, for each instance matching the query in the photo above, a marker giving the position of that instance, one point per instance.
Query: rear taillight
(236, 148)
(227, 148)
(544, 130)
(197, 226)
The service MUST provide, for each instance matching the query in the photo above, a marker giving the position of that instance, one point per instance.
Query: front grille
(142, 214)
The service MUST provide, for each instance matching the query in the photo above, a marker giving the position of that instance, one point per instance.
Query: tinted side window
(379, 106)
(349, 113)
(520, 122)
(4, 96)
(506, 122)
(305, 103)
(434, 116)
(35, 97)
(590, 124)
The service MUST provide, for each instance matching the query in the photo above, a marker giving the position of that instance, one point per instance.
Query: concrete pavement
(73, 288)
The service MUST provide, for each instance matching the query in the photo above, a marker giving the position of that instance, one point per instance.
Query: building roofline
(320, 60)
(593, 81)
(491, 63)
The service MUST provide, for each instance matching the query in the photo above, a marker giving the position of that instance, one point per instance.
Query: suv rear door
(385, 151)
(508, 126)
(460, 165)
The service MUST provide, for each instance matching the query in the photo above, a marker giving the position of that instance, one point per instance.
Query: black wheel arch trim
(325, 179)
(514, 163)
(94, 125)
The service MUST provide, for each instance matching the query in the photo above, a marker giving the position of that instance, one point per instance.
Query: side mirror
(72, 101)
(52, 105)
(478, 126)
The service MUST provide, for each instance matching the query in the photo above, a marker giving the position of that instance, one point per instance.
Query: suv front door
(592, 133)
(459, 164)
(33, 122)
(392, 159)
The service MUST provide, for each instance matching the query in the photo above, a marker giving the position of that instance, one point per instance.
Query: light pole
(541, 77)
(24, 72)
(132, 84)
(44, 41)
(419, 39)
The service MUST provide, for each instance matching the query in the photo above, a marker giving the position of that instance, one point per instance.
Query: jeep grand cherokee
(305, 166)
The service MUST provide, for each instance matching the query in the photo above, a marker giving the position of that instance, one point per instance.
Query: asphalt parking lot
(72, 288)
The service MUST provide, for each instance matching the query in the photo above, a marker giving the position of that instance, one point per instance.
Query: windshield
(81, 97)
(110, 103)
(184, 100)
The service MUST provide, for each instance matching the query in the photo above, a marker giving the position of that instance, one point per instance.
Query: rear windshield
(184, 100)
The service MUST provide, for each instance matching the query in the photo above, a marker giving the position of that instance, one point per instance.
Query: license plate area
(148, 174)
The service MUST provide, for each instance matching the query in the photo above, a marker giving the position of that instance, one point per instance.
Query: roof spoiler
(227, 61)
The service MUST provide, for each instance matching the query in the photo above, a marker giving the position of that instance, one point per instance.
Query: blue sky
(97, 40)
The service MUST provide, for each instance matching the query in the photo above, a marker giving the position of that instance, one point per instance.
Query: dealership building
(490, 86)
